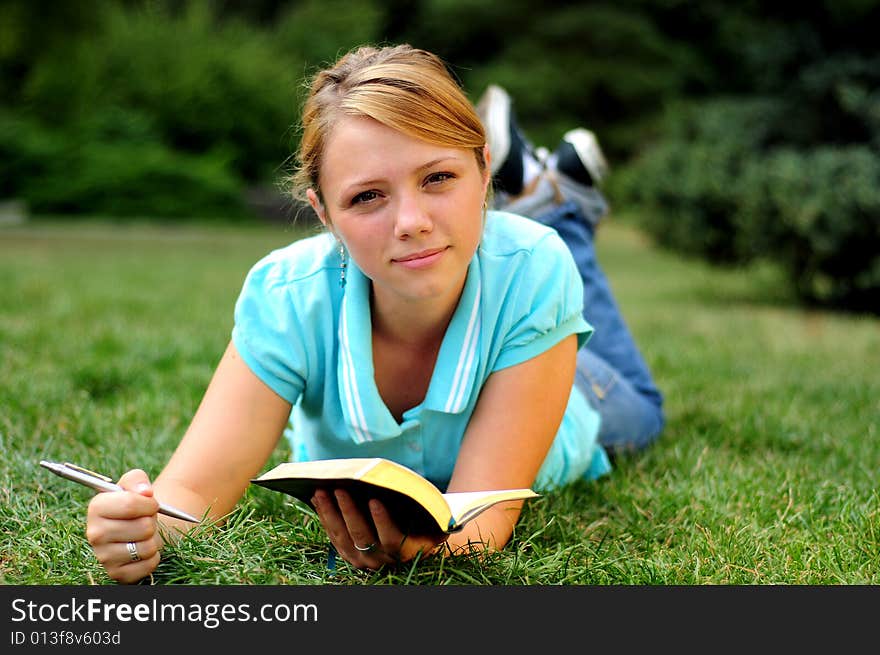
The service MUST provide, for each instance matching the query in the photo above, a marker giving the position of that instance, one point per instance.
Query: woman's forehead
(359, 140)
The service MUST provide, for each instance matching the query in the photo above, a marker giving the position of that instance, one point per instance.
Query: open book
(415, 504)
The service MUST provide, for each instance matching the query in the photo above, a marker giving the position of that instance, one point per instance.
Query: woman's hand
(118, 518)
(366, 543)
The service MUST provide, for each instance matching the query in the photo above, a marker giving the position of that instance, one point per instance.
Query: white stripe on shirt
(465, 360)
(352, 397)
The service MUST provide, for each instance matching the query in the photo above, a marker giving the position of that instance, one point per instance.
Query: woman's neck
(406, 340)
(413, 325)
(412, 330)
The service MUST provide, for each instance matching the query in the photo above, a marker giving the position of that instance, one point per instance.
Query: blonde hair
(404, 88)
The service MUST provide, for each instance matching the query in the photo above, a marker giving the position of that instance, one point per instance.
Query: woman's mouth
(421, 259)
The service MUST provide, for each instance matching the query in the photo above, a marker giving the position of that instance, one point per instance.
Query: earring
(343, 264)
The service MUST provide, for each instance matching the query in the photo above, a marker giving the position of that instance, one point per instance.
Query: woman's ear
(317, 205)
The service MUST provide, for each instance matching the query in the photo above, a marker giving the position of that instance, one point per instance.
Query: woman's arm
(233, 433)
(230, 438)
(511, 430)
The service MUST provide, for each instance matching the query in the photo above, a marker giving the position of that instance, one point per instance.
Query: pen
(103, 483)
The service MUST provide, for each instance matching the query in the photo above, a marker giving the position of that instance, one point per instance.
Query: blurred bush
(691, 184)
(790, 174)
(202, 83)
(319, 31)
(822, 207)
(720, 189)
(113, 166)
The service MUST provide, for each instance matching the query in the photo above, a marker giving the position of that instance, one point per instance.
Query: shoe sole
(588, 151)
(494, 110)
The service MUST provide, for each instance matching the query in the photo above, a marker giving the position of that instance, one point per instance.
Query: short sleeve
(546, 303)
(267, 333)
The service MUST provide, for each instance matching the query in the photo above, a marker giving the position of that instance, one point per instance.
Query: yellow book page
(465, 505)
(329, 469)
(396, 476)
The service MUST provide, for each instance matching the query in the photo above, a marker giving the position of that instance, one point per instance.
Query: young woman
(421, 327)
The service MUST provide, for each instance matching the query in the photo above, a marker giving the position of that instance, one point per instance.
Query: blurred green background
(737, 131)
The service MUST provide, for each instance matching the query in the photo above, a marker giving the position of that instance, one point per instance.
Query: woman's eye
(438, 178)
(364, 196)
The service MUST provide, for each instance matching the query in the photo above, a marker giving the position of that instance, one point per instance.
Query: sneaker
(507, 145)
(580, 157)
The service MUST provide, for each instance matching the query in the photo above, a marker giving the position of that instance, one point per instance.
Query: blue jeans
(610, 369)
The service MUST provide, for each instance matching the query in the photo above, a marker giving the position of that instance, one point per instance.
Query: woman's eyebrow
(434, 162)
(359, 184)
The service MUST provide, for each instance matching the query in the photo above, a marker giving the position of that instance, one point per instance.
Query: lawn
(766, 474)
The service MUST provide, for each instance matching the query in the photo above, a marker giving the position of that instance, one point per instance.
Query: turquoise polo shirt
(309, 339)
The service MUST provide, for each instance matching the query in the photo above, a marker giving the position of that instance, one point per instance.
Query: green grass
(766, 474)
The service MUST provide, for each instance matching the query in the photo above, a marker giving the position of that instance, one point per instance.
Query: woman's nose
(411, 216)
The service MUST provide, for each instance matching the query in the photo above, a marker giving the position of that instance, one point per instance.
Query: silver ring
(133, 551)
(366, 549)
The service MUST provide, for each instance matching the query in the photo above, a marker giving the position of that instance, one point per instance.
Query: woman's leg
(611, 370)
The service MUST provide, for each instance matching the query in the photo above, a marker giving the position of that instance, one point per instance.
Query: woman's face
(409, 212)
